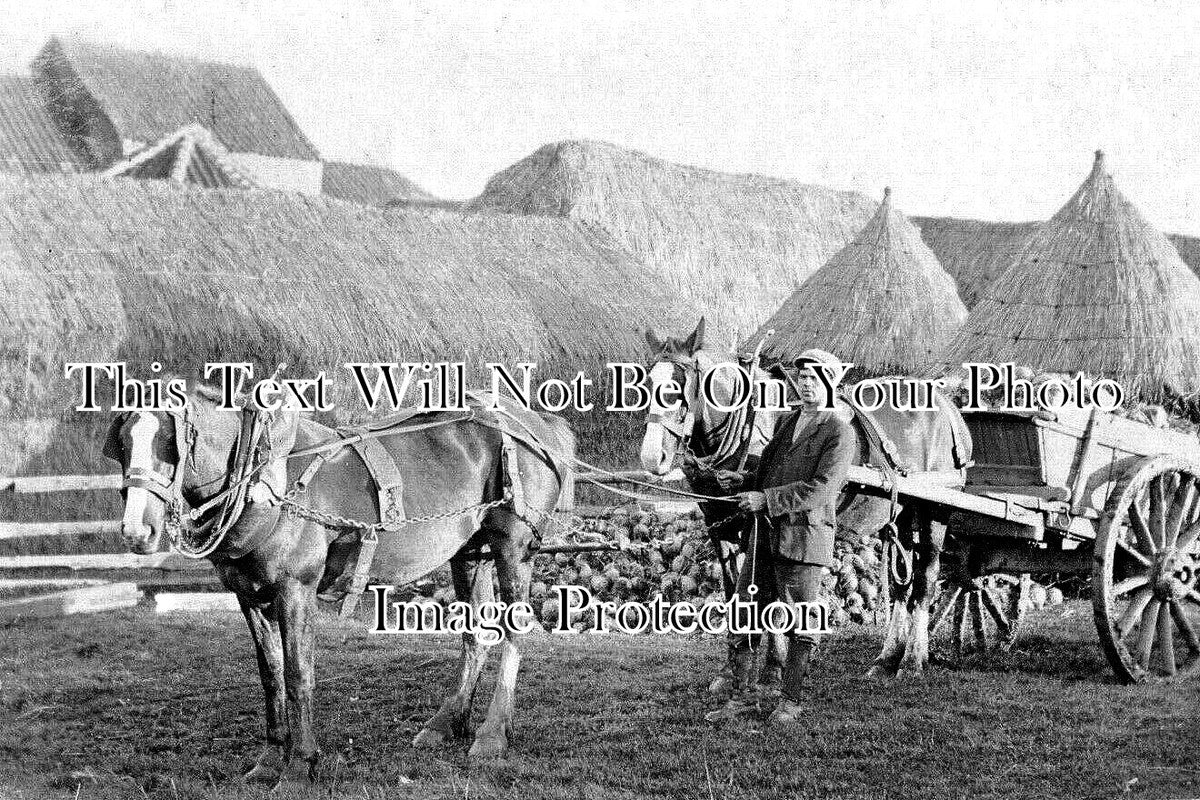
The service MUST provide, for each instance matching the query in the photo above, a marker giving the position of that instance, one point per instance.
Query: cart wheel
(1146, 571)
(980, 614)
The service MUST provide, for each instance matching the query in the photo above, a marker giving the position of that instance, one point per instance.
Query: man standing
(794, 491)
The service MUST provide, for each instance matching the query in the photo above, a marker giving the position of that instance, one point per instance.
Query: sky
(988, 110)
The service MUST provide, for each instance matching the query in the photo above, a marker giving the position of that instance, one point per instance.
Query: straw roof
(369, 185)
(1097, 289)
(882, 302)
(29, 141)
(103, 269)
(736, 245)
(146, 96)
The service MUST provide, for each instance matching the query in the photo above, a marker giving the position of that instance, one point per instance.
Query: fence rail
(167, 562)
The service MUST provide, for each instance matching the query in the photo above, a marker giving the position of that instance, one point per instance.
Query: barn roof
(1097, 289)
(368, 185)
(149, 95)
(882, 302)
(29, 140)
(733, 245)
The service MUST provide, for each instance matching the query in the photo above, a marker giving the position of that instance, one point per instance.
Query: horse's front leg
(473, 581)
(264, 627)
(514, 569)
(931, 538)
(297, 603)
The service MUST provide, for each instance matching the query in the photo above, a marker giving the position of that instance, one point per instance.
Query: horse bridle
(681, 426)
(249, 460)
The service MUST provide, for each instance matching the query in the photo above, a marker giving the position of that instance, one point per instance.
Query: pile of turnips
(670, 555)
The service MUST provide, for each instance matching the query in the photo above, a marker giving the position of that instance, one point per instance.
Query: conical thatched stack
(734, 245)
(1095, 289)
(882, 302)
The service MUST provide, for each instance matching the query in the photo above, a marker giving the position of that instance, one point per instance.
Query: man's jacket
(801, 481)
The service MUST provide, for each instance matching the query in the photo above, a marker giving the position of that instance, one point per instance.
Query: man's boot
(770, 676)
(789, 711)
(740, 704)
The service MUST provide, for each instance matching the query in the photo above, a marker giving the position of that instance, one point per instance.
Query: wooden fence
(165, 562)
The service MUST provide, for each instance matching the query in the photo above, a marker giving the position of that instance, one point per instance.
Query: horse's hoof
(878, 673)
(488, 748)
(261, 774)
(720, 686)
(910, 674)
(428, 739)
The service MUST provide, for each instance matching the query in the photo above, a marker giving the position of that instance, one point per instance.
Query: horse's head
(667, 428)
(143, 443)
(174, 459)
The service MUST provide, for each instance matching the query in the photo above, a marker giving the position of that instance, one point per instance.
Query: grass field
(128, 704)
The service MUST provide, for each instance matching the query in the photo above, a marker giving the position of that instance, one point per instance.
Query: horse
(466, 479)
(894, 439)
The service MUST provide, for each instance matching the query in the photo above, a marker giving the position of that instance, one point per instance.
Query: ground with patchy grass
(129, 704)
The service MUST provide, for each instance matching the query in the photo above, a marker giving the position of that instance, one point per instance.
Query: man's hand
(751, 501)
(728, 479)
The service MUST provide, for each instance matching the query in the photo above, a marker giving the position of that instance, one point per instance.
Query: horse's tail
(564, 458)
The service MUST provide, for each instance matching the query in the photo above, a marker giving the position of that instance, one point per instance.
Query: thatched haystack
(29, 140)
(114, 269)
(882, 302)
(1097, 289)
(975, 252)
(736, 245)
(370, 185)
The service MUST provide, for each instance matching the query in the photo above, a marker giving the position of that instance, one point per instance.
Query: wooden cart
(1079, 492)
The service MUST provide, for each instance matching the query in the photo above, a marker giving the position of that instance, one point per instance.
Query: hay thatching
(1095, 289)
(370, 185)
(736, 245)
(145, 96)
(882, 302)
(29, 141)
(973, 252)
(116, 269)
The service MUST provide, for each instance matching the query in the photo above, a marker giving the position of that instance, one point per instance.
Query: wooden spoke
(1179, 614)
(1129, 550)
(1158, 510)
(1146, 630)
(1134, 612)
(1188, 537)
(999, 617)
(1181, 509)
(977, 621)
(1129, 584)
(1140, 528)
(942, 608)
(960, 612)
(1166, 639)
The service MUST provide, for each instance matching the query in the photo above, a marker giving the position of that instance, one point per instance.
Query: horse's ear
(112, 441)
(695, 342)
(656, 344)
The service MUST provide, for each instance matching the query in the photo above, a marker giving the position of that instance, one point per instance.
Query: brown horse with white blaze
(276, 562)
(905, 440)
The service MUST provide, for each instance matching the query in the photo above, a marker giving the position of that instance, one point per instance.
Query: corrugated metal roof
(29, 141)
